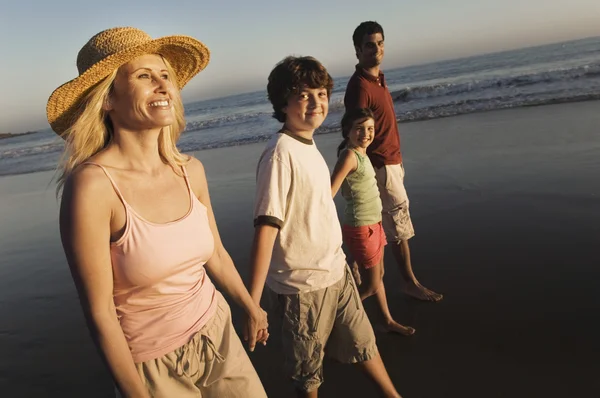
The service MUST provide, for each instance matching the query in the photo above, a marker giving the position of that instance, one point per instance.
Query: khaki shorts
(212, 364)
(332, 317)
(395, 216)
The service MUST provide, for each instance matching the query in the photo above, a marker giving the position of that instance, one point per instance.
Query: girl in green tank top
(361, 227)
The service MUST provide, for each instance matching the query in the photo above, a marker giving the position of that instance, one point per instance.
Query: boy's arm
(273, 182)
(345, 165)
(262, 250)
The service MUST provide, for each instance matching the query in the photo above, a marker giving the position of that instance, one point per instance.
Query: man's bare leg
(375, 370)
(412, 287)
(308, 394)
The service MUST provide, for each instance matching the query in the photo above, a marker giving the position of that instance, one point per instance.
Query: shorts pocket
(401, 215)
(302, 313)
(304, 363)
(289, 305)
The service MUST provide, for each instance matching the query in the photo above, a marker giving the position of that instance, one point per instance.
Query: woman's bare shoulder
(195, 170)
(194, 164)
(87, 182)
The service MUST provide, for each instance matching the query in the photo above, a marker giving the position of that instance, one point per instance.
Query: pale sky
(40, 39)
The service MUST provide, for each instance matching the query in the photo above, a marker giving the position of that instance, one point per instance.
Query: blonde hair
(92, 131)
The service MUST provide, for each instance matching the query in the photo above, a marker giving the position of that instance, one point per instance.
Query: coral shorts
(365, 243)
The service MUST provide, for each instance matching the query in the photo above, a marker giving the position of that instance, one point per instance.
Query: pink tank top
(162, 293)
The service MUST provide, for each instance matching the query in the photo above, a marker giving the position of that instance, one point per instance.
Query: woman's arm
(221, 267)
(85, 216)
(345, 165)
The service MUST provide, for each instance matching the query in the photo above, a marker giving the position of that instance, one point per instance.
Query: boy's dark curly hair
(290, 75)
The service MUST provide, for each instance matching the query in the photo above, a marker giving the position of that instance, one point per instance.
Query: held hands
(256, 328)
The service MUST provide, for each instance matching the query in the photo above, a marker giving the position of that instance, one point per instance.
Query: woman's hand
(256, 327)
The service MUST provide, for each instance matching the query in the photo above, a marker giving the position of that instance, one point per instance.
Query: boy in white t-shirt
(297, 245)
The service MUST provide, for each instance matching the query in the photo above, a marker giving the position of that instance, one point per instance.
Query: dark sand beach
(506, 208)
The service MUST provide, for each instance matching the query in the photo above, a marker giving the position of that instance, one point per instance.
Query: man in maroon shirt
(367, 89)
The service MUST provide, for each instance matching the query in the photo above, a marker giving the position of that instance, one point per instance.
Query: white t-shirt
(294, 193)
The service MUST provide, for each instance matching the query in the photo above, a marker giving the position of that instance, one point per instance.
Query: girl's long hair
(92, 131)
(348, 120)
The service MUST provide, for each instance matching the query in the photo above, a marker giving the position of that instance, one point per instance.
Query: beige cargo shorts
(213, 364)
(332, 317)
(395, 215)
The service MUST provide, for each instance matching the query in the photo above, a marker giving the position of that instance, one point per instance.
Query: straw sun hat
(110, 49)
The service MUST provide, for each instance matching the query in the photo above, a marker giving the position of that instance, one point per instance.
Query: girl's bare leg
(372, 285)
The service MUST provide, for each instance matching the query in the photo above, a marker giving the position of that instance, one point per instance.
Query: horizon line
(217, 97)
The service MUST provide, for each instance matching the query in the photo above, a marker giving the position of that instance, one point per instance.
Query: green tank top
(359, 188)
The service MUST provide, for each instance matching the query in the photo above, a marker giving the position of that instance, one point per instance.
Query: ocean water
(562, 72)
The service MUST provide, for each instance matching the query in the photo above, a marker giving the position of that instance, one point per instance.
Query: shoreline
(549, 102)
(257, 140)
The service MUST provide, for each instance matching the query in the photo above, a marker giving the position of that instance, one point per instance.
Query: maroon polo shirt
(366, 91)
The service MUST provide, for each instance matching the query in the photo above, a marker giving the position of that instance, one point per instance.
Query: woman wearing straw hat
(138, 228)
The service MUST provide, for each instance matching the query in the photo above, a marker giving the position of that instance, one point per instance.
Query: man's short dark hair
(366, 28)
(290, 75)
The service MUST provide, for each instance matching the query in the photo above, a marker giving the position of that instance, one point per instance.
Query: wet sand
(506, 208)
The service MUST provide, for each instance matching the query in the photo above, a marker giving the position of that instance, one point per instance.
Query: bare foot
(391, 326)
(420, 292)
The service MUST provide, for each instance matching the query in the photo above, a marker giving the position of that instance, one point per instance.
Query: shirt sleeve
(356, 97)
(273, 181)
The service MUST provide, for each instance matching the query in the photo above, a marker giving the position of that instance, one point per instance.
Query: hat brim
(186, 55)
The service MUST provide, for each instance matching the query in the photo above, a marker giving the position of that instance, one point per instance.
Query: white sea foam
(535, 76)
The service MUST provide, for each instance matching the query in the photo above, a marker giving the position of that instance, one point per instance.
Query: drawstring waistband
(213, 353)
(208, 354)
